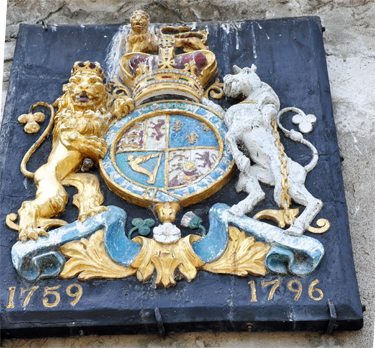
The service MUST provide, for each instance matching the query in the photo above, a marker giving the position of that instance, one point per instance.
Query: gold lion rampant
(85, 112)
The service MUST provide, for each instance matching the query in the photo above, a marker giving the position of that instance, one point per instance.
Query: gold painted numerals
(51, 295)
(29, 294)
(51, 291)
(253, 291)
(312, 290)
(298, 291)
(275, 283)
(293, 285)
(77, 294)
(12, 290)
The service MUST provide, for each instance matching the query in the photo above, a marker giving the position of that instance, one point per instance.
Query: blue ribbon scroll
(43, 259)
(288, 254)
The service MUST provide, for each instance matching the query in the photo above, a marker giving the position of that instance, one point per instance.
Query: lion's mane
(88, 122)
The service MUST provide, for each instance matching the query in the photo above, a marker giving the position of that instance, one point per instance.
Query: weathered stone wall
(350, 51)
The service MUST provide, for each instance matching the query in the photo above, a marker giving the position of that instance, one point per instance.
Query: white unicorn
(249, 123)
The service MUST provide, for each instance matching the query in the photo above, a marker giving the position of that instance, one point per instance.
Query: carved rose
(167, 233)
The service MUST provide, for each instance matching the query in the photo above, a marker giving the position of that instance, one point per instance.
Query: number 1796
(293, 285)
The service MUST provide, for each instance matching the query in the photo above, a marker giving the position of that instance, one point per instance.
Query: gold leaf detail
(89, 260)
(167, 259)
(165, 265)
(243, 256)
(324, 225)
(276, 215)
(215, 90)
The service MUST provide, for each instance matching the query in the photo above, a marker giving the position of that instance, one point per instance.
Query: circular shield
(169, 151)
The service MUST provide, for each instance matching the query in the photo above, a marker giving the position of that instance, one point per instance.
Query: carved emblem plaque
(205, 168)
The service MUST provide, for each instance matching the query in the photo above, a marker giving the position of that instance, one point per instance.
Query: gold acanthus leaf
(89, 260)
(167, 259)
(243, 256)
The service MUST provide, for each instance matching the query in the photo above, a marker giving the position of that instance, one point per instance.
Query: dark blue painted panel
(289, 54)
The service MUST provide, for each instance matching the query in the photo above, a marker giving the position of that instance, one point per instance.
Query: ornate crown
(185, 74)
(92, 67)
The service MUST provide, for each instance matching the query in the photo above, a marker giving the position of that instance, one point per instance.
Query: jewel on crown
(84, 67)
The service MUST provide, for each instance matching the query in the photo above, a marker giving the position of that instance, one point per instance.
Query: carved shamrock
(143, 226)
(305, 122)
(31, 121)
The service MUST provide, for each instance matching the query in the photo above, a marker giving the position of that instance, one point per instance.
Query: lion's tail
(36, 145)
(298, 137)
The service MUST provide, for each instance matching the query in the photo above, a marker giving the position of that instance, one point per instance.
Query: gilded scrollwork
(88, 259)
(215, 90)
(166, 259)
(243, 256)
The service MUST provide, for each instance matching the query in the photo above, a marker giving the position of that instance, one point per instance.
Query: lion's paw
(122, 107)
(91, 212)
(31, 232)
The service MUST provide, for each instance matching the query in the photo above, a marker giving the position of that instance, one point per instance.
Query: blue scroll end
(283, 261)
(42, 259)
(277, 259)
(46, 265)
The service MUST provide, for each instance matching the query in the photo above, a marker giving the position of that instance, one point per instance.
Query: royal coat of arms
(161, 140)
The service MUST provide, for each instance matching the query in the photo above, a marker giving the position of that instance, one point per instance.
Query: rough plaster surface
(350, 49)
